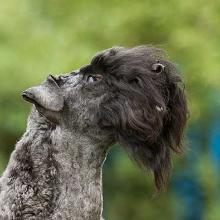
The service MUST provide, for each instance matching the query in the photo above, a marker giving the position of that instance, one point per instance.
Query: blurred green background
(39, 37)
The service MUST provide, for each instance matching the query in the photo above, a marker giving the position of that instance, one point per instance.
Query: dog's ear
(174, 122)
(149, 120)
(47, 97)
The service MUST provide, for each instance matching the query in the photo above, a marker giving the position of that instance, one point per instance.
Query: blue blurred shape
(190, 197)
(215, 143)
(185, 184)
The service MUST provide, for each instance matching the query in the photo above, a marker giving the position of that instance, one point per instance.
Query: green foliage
(40, 37)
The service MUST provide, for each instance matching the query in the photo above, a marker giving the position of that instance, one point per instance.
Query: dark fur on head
(145, 106)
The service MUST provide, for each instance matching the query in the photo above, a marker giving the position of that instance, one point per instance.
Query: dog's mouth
(29, 96)
(49, 94)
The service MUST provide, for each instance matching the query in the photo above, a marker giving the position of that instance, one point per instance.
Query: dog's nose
(58, 80)
(52, 78)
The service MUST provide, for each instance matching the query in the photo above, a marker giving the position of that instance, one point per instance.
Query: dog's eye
(92, 78)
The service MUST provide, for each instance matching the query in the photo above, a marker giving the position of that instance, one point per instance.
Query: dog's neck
(54, 174)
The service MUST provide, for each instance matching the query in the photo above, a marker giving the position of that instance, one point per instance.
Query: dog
(133, 96)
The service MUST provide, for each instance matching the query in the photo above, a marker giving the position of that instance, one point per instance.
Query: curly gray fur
(52, 174)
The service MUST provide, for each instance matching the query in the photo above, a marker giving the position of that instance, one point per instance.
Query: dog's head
(136, 95)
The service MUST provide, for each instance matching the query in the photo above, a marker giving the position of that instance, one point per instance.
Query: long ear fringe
(176, 118)
(157, 156)
(148, 135)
